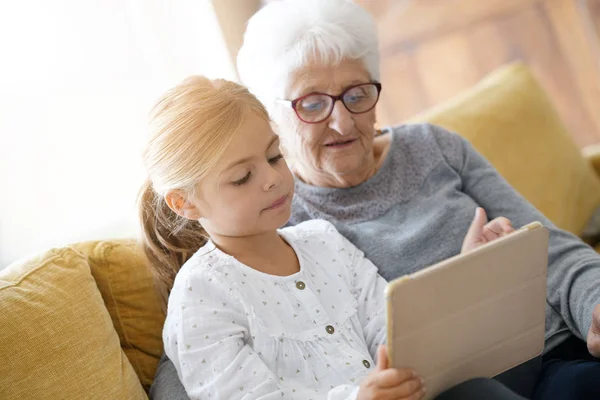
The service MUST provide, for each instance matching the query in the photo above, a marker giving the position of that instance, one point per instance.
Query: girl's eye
(275, 159)
(243, 180)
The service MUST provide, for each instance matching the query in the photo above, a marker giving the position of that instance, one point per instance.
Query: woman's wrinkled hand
(593, 338)
(385, 383)
(481, 231)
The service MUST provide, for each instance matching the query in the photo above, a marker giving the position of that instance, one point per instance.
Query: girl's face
(250, 190)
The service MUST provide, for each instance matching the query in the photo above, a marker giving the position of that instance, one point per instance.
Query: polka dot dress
(233, 332)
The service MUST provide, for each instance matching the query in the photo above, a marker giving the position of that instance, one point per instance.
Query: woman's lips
(338, 144)
(278, 203)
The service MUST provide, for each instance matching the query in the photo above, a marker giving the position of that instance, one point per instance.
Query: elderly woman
(405, 196)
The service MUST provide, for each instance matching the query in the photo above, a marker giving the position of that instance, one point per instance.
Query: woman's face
(334, 151)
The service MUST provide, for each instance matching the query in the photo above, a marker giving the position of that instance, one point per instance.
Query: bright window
(77, 79)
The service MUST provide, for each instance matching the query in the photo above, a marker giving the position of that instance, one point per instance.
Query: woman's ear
(181, 206)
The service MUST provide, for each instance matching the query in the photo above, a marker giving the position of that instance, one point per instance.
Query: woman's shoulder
(425, 140)
(421, 132)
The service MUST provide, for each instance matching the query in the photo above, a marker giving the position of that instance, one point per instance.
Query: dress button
(366, 364)
(300, 285)
(329, 329)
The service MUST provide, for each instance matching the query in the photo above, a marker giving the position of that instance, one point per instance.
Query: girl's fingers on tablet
(412, 389)
(382, 358)
(418, 395)
(393, 377)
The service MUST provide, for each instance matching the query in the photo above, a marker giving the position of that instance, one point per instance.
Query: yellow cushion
(57, 339)
(127, 287)
(592, 154)
(510, 120)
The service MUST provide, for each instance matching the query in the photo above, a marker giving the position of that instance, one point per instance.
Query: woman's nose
(341, 119)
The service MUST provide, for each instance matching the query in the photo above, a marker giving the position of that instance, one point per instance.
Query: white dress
(237, 333)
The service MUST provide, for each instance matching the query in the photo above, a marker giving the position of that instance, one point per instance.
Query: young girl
(257, 311)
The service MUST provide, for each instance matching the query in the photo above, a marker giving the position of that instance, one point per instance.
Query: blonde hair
(190, 128)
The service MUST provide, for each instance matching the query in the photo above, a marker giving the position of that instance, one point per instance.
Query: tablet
(474, 315)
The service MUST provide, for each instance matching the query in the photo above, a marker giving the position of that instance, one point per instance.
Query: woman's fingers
(474, 236)
(505, 224)
(497, 228)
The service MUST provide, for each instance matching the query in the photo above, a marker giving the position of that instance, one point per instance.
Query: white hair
(284, 35)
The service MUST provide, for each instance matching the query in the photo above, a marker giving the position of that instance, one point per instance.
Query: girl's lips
(278, 203)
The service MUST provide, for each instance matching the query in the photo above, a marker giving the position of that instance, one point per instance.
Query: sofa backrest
(127, 287)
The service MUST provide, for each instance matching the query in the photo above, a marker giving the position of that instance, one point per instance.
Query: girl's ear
(181, 206)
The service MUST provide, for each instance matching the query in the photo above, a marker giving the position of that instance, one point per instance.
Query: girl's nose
(273, 180)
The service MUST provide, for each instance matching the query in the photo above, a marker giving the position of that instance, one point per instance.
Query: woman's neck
(334, 180)
(265, 252)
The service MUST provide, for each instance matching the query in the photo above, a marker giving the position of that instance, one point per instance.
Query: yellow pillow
(127, 287)
(57, 339)
(509, 119)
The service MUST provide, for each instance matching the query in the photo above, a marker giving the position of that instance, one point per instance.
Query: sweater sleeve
(573, 266)
(166, 384)
(206, 335)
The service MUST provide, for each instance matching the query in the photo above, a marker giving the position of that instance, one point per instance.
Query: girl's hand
(481, 231)
(385, 383)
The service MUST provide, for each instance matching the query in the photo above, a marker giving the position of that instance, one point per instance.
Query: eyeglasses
(317, 107)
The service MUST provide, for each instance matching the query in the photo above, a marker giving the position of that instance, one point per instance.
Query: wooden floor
(433, 49)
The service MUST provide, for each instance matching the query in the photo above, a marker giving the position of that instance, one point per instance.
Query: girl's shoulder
(310, 228)
(206, 265)
(318, 236)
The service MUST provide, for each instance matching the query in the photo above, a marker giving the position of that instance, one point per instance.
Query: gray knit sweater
(415, 211)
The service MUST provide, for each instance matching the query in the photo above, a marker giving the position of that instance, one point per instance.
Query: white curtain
(77, 79)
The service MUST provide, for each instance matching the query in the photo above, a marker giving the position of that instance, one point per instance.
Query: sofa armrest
(592, 154)
(591, 233)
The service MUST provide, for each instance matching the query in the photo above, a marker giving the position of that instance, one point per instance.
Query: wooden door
(433, 49)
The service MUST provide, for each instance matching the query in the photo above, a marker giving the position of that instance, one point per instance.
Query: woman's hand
(593, 338)
(481, 231)
(385, 383)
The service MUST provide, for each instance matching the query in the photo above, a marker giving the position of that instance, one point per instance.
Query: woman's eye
(355, 99)
(275, 159)
(243, 180)
(312, 104)
(355, 95)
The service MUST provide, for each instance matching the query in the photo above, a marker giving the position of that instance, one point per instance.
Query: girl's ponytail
(168, 240)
